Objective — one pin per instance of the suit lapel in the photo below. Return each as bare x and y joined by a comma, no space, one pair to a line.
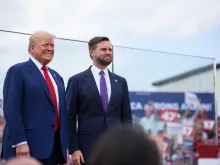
93,87
33,68
113,82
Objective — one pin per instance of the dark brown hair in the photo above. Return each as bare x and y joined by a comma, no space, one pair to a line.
94,41
125,146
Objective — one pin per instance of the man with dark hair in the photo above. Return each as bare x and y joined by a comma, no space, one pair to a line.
92,43
98,98
125,146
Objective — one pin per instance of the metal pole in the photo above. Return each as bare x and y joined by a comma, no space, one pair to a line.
215,103
125,47
66,39
113,59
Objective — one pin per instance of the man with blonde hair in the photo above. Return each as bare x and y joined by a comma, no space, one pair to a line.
35,106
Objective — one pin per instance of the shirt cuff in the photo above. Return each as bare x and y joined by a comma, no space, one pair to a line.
13,146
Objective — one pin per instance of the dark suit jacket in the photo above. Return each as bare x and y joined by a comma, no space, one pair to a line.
84,103
30,113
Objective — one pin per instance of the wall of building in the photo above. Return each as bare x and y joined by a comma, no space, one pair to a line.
203,82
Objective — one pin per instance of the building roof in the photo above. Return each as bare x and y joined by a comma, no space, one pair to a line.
185,75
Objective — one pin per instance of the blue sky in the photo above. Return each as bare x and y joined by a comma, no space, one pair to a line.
178,26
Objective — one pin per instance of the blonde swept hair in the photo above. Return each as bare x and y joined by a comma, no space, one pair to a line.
33,38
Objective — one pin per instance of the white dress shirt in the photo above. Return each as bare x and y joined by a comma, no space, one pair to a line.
39,66
97,77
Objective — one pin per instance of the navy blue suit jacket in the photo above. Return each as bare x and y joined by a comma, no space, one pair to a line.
84,104
30,113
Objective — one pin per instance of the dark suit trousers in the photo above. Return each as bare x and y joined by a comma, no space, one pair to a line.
56,156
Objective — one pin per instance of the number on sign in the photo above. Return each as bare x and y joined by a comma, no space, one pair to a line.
208,124
187,131
169,116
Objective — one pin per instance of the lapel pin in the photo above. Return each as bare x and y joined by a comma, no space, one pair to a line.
116,80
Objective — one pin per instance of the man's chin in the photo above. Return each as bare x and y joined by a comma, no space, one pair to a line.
108,62
47,61
104,63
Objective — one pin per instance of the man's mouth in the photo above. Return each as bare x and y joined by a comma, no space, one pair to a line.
48,53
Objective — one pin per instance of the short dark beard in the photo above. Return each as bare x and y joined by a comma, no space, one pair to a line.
102,62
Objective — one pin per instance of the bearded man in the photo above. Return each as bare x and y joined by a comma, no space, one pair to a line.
97,100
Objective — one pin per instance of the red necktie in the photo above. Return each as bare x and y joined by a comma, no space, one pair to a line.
53,95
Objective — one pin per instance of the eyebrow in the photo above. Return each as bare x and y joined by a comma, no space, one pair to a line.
106,48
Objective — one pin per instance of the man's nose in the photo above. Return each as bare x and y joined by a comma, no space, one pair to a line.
50,47
108,52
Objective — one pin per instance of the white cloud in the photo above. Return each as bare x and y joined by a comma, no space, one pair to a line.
12,13
84,19
178,18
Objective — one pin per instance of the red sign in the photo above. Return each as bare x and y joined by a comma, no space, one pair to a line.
166,146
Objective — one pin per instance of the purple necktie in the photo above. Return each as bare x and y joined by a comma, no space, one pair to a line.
103,90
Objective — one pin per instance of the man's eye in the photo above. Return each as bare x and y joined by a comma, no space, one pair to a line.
45,45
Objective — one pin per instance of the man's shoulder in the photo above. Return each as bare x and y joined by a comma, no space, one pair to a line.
120,78
80,74
18,66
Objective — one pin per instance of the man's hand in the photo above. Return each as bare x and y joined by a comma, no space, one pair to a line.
76,157
22,150
67,155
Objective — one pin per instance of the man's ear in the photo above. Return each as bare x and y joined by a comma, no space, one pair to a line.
91,52
31,48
